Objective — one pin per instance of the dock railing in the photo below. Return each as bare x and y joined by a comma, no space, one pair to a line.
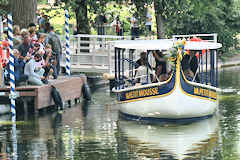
92,53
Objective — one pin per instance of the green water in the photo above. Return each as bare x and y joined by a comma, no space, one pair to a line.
93,131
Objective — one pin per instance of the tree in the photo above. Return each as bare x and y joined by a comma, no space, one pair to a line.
82,8
199,16
23,12
4,7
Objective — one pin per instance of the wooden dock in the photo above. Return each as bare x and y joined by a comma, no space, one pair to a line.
70,88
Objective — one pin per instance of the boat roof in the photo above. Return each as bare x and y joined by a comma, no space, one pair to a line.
164,44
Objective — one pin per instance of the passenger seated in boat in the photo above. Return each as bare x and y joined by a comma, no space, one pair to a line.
189,66
160,68
141,69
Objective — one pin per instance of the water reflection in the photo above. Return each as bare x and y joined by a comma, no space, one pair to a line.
92,130
170,141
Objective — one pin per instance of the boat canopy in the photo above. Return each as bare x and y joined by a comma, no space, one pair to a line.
164,44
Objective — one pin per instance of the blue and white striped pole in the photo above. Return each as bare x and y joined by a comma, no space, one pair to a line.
12,85
11,60
67,42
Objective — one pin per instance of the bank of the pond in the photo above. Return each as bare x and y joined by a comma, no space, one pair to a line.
230,61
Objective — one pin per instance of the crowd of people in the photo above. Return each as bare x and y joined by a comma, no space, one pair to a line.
118,25
37,53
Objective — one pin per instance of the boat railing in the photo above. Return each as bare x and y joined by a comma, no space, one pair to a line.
206,37
207,59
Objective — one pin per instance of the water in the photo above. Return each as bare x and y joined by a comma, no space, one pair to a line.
93,131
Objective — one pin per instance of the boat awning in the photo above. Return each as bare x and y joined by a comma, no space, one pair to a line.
164,44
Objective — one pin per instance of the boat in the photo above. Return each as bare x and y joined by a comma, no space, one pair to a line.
174,141
178,97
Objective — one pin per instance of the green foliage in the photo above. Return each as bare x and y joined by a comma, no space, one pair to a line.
203,16
4,7
181,16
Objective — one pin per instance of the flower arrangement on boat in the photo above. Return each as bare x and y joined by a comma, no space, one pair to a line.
178,50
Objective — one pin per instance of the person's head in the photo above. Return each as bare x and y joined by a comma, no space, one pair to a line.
143,55
16,29
159,70
16,53
36,47
37,57
31,25
117,18
32,31
159,53
48,48
26,39
41,37
51,28
47,27
45,16
24,32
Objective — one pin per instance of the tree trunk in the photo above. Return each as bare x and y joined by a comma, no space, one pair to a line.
83,26
23,12
160,20
160,26
81,12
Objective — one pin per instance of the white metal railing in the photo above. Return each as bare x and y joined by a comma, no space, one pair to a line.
93,51
97,53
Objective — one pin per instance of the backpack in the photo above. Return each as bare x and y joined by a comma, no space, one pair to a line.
55,43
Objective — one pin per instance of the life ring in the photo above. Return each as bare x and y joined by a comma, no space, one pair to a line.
4,52
57,97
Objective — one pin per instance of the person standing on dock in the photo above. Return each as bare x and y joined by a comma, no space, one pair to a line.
54,40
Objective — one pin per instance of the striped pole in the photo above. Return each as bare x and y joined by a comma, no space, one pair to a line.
12,85
11,60
67,42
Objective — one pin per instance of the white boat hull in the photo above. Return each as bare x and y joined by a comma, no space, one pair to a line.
177,98
174,106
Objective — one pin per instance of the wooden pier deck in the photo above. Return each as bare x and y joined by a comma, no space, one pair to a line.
70,88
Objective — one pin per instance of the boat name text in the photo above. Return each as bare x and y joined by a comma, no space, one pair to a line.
141,93
205,92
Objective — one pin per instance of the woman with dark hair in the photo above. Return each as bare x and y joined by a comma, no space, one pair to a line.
161,66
